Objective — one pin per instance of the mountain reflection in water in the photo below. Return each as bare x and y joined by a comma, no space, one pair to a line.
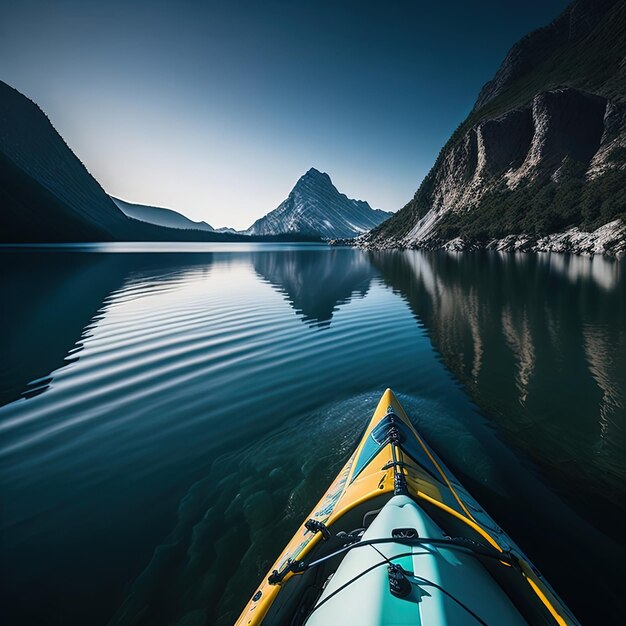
314,284
168,419
539,342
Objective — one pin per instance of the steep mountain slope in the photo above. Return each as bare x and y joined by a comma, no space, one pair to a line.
315,207
540,162
47,195
159,216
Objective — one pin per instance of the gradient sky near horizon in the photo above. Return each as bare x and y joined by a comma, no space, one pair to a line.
216,108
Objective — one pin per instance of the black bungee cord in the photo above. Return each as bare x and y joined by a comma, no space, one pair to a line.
386,561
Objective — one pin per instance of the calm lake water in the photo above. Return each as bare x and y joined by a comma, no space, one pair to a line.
170,414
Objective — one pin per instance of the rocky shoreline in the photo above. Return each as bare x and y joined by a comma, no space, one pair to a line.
608,240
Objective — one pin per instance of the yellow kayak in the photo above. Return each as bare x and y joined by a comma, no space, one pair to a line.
397,540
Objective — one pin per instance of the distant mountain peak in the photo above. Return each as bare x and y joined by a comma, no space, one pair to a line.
314,176
315,206
315,173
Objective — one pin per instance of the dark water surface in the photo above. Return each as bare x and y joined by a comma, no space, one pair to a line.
168,415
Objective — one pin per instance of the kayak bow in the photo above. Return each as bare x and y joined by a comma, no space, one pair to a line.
396,539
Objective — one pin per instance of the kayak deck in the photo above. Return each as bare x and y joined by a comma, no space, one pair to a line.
447,586
393,461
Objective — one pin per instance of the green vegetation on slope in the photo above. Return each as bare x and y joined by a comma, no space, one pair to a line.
540,208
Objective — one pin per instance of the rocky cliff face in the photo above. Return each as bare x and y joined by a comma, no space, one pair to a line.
543,151
315,207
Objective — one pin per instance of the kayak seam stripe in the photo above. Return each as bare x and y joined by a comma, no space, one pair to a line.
454,493
542,596
469,522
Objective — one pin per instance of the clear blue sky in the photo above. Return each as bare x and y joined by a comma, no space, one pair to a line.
216,108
